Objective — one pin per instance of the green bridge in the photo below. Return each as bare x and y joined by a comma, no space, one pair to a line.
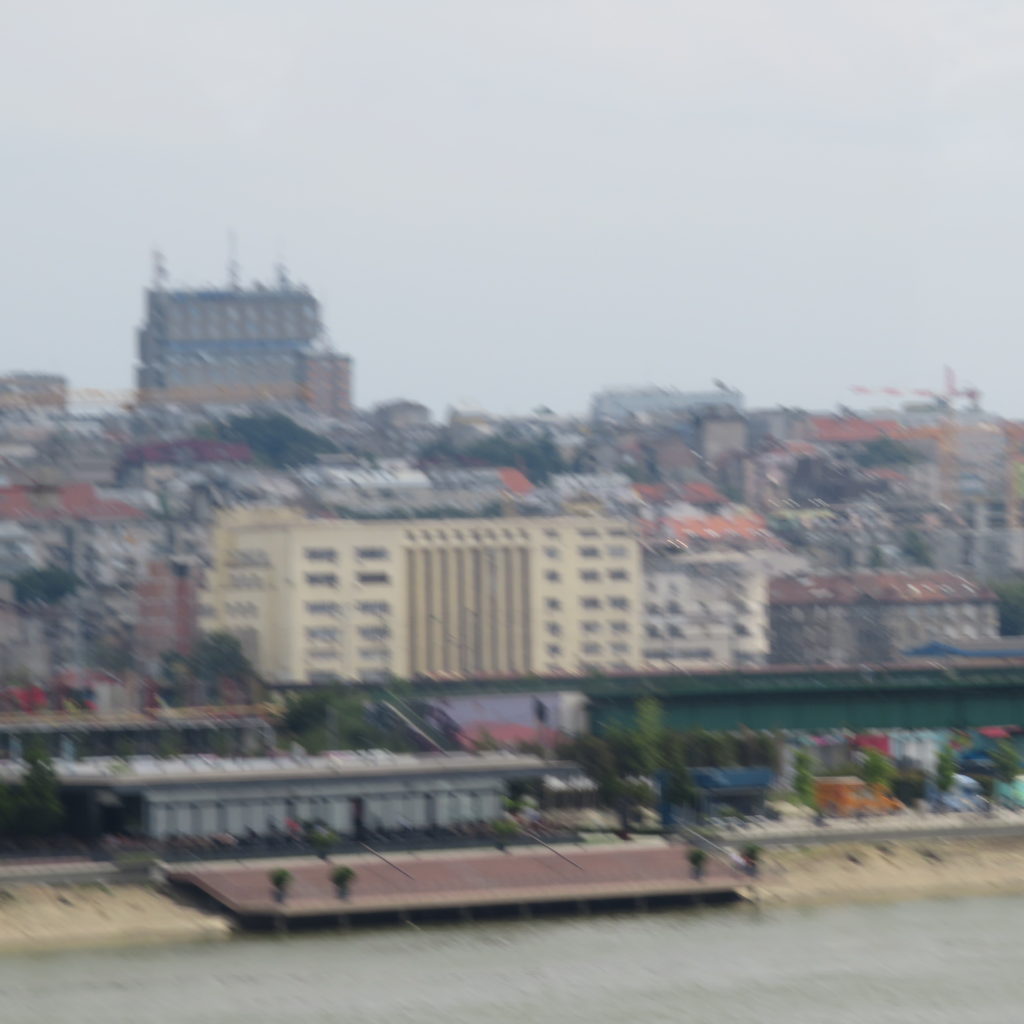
905,697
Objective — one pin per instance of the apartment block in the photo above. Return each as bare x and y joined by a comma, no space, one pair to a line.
314,599
704,609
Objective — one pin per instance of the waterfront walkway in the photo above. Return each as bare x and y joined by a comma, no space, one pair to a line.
467,883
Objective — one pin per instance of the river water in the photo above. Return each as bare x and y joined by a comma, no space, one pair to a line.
937,962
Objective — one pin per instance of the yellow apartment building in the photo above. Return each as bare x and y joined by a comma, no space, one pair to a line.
314,599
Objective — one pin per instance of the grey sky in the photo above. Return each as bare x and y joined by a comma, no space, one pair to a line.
520,202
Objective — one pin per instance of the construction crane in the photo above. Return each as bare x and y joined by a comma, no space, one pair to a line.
950,391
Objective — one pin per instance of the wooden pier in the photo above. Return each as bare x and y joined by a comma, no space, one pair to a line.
462,886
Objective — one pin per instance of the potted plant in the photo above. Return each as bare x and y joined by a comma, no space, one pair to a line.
342,877
322,840
752,856
697,858
280,879
504,829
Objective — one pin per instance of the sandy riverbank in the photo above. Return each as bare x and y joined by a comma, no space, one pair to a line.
44,916
913,869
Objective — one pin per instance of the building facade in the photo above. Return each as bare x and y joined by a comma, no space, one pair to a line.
315,599
239,345
871,617
703,609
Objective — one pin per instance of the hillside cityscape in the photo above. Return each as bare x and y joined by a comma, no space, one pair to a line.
241,492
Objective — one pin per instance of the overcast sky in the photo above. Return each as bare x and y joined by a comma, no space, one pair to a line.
515,202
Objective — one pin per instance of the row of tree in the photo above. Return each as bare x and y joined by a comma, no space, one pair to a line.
32,807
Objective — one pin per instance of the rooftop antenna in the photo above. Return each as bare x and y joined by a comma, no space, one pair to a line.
159,279
233,272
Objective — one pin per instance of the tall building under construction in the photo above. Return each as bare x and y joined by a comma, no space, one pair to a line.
239,345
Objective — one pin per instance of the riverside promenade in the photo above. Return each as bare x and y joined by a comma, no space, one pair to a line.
463,885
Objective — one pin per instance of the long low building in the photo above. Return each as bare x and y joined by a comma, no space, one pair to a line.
352,792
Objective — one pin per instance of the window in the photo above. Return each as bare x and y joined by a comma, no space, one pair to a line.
321,579
618,532
589,576
618,574
322,608
374,632
619,648
554,650
653,631
590,602
589,533
324,633
590,552
619,627
321,554
553,604
673,608
321,655
591,648
618,551
371,554
551,533
374,607
241,609
553,552
553,577
591,627
553,628
373,577
674,631
374,653
621,603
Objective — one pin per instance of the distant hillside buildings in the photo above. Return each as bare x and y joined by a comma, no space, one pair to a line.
240,345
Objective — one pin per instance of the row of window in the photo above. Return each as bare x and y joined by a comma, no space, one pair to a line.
241,609
555,650
588,626
588,575
614,551
334,608
554,604
331,554
330,579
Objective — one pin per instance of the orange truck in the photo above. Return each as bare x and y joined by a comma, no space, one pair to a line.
846,796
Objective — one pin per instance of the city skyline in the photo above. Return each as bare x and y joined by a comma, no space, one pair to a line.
522,207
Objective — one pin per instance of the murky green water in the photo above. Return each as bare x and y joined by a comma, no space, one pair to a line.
937,962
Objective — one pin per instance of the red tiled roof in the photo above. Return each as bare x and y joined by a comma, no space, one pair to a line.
892,587
717,527
851,429
699,492
653,494
513,480
72,501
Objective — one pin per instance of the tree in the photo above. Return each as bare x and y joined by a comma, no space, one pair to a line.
678,783
37,799
877,770
1010,594
43,586
803,778
945,769
917,549
218,658
648,735
1006,761
276,440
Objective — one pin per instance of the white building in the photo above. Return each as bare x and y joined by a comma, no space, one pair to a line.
703,610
